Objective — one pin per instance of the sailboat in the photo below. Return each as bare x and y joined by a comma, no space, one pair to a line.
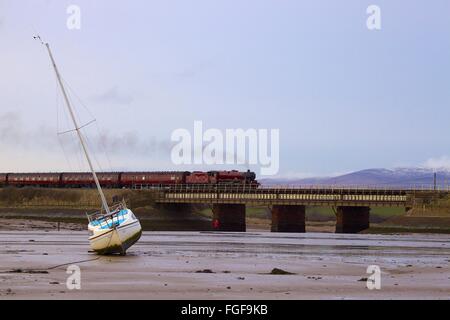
113,229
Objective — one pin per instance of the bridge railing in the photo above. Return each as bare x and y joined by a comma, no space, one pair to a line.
267,196
252,188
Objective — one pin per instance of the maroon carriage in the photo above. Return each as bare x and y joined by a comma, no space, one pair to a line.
130,179
3,179
34,179
85,179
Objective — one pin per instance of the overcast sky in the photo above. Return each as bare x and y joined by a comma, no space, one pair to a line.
343,97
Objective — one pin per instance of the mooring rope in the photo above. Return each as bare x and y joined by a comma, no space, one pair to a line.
49,268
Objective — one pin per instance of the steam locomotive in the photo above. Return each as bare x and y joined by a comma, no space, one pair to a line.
128,179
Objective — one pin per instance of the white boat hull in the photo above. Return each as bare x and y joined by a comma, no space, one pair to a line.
118,239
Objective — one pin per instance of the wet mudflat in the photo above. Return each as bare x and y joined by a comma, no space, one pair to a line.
207,265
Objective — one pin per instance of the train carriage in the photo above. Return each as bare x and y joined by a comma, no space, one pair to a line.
3,179
131,179
85,179
51,180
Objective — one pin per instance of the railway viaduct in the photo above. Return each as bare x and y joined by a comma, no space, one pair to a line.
351,205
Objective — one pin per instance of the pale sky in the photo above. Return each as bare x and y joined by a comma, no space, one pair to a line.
343,97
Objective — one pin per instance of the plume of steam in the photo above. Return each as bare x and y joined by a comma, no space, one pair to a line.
13,132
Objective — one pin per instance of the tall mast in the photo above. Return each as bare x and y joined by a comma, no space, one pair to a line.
80,136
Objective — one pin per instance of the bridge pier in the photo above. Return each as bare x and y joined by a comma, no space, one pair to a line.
174,207
229,217
352,219
288,218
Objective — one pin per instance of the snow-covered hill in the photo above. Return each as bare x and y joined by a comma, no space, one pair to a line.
401,177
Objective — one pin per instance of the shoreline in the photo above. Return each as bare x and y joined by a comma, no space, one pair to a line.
18,222
238,266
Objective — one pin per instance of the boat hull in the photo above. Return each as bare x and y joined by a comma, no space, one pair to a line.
116,240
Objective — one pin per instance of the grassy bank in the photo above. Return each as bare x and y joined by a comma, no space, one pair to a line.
82,199
70,206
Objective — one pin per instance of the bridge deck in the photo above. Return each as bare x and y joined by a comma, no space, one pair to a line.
290,196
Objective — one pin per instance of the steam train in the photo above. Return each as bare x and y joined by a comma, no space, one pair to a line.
128,179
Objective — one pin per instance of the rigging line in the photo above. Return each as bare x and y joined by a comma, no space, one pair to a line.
71,90
70,140
57,104
57,126
65,154
79,149
88,142
64,132
75,110
73,145
91,148
102,145
79,152
93,153
65,117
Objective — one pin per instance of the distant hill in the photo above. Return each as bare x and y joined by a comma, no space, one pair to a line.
400,177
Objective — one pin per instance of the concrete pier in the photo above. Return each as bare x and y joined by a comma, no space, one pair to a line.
174,207
352,219
288,218
229,217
